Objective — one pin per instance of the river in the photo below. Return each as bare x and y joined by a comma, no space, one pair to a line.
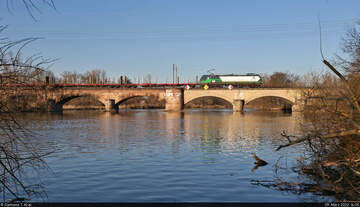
157,156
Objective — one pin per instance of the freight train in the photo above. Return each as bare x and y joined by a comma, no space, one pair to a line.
211,81
248,80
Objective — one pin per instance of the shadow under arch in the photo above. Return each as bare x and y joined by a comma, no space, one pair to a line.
67,99
150,101
271,102
208,102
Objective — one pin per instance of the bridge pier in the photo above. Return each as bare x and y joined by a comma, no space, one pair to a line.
297,107
299,104
110,105
174,99
238,105
54,107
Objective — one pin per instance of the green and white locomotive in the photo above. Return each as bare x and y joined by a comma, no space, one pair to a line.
248,80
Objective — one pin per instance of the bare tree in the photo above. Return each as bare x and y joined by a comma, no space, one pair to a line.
16,151
331,133
282,80
31,6
351,46
17,155
147,78
95,76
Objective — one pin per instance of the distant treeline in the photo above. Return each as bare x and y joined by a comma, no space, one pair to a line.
274,80
95,76
99,76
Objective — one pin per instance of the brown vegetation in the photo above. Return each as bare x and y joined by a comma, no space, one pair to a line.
331,133
95,76
282,80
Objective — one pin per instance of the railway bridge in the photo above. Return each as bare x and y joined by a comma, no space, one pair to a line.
175,98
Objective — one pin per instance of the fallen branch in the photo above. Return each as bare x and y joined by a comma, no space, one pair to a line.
309,137
342,134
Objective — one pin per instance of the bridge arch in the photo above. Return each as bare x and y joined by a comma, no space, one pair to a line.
123,100
287,105
228,99
208,96
154,99
288,99
64,99
56,103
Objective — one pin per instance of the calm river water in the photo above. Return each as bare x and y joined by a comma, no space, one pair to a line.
156,156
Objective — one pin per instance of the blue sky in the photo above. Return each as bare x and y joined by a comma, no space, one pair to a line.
138,37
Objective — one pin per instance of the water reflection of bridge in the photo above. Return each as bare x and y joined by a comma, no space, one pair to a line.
233,131
216,131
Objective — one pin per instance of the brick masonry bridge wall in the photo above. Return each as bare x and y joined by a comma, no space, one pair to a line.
113,97
240,97
175,98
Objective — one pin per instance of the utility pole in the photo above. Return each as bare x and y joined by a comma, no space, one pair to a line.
173,73
121,80
177,77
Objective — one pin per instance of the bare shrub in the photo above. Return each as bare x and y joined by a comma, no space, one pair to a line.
17,155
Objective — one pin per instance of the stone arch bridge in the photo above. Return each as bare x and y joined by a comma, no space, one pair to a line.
175,98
